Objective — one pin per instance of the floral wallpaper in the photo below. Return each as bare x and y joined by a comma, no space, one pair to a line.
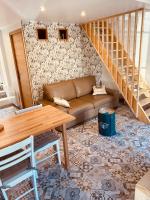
54,60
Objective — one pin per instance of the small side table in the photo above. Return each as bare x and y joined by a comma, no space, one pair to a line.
107,123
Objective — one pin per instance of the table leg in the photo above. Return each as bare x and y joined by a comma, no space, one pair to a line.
65,145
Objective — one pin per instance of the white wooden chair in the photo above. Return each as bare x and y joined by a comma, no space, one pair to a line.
44,141
17,164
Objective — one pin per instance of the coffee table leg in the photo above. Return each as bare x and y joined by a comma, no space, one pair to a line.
65,144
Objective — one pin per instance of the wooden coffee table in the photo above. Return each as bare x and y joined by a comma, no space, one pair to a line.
34,123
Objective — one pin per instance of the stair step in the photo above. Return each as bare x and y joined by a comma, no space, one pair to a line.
124,73
128,66
1,87
2,94
148,112
145,101
119,58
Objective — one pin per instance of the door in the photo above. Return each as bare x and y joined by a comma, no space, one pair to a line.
21,67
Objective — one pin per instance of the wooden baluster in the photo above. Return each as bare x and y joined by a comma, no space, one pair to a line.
112,41
90,31
123,22
140,55
98,37
117,46
128,47
134,49
94,32
103,39
86,28
117,41
107,36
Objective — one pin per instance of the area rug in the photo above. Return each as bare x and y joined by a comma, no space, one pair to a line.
101,168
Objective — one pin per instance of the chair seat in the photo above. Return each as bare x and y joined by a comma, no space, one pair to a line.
44,139
15,170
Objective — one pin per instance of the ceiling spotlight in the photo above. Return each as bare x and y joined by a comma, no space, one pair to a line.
83,13
42,8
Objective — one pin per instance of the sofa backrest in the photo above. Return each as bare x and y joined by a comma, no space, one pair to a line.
69,89
63,89
84,85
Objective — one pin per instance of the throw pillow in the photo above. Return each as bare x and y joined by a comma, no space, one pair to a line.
61,102
99,90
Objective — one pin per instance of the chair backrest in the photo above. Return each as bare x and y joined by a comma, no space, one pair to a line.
17,153
28,109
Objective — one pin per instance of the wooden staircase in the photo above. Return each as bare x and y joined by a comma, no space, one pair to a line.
118,42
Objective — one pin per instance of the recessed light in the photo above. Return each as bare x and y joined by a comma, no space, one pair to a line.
83,13
42,8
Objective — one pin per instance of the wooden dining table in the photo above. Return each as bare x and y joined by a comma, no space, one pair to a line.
35,122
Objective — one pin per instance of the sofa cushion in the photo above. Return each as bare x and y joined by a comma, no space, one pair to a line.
84,85
46,102
79,106
97,100
61,102
63,89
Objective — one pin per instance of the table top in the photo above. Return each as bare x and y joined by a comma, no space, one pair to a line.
34,122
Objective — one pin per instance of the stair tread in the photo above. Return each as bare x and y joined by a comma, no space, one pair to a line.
145,101
148,111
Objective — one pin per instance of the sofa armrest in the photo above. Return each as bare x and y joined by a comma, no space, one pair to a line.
112,92
115,94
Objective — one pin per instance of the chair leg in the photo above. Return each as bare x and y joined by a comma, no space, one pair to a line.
4,194
58,152
35,186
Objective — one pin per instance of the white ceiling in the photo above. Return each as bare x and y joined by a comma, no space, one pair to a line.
12,11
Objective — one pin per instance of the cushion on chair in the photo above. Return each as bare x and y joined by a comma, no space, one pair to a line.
84,85
43,139
63,89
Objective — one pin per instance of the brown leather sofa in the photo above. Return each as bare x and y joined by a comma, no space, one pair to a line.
83,105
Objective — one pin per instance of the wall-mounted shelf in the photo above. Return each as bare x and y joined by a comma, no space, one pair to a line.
42,34
63,34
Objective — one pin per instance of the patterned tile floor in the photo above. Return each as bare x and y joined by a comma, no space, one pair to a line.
101,168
